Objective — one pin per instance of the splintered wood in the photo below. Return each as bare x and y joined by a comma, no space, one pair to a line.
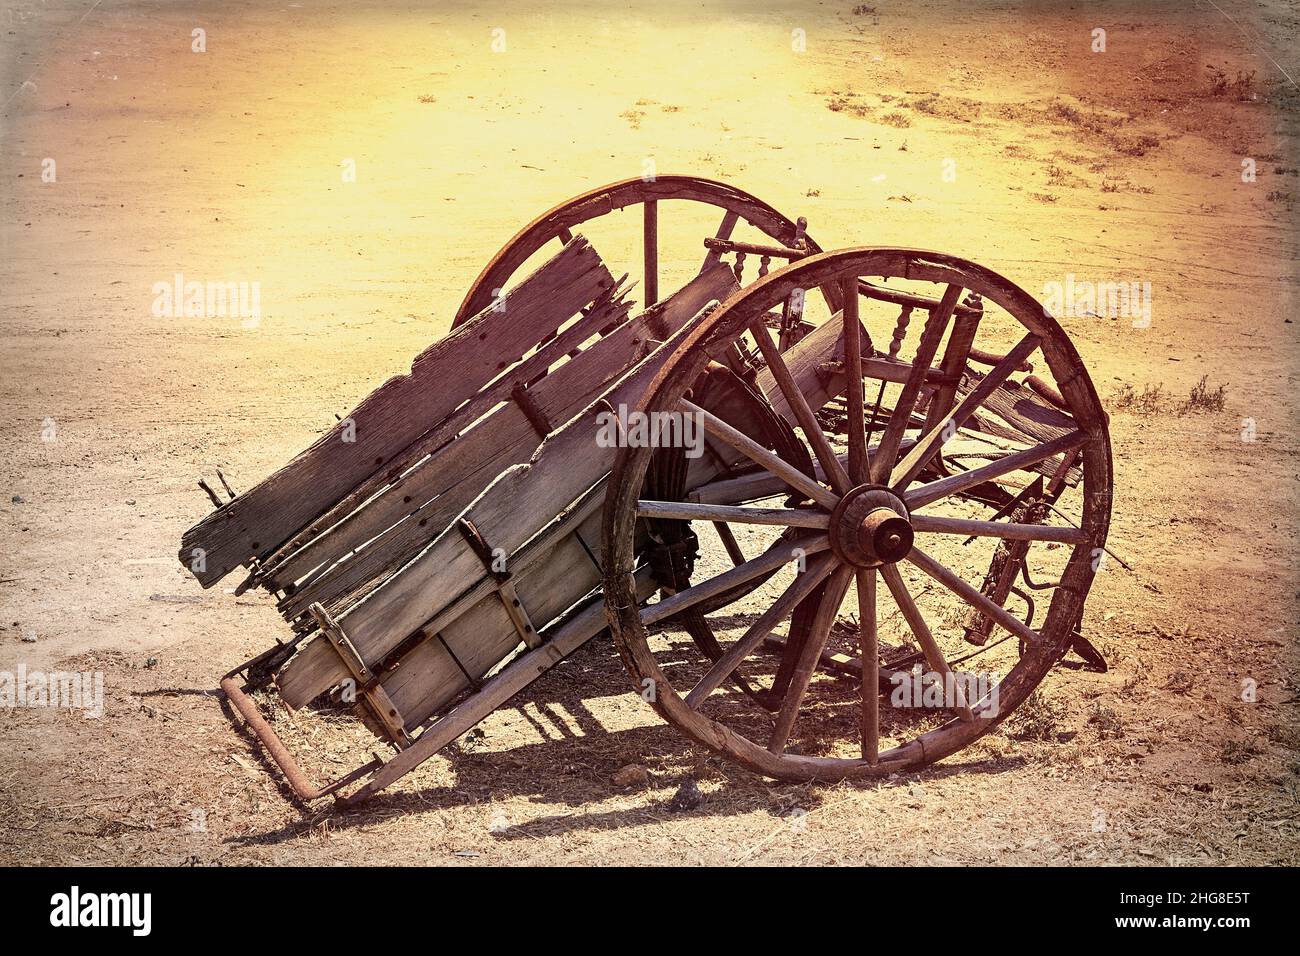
521,501
398,413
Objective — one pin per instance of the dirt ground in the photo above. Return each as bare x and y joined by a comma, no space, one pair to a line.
1122,164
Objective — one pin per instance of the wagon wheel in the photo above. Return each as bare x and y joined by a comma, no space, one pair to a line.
559,224
885,513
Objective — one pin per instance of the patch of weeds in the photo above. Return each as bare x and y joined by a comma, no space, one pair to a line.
1203,398
1134,145
428,98
1045,197
1150,401
1059,176
847,104
1038,718
473,740
952,107
1285,198
896,119
812,193
1180,682
1109,725
862,10
1237,752
1240,87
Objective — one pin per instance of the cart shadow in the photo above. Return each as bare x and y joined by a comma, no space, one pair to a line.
573,764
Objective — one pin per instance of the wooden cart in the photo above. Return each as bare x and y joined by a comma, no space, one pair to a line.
541,474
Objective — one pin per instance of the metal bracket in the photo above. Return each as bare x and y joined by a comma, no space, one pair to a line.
532,411
505,587
369,690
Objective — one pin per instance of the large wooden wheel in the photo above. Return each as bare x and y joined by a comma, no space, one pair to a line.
925,476
738,210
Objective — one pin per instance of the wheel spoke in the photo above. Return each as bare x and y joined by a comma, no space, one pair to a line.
729,542
809,657
883,462
933,441
998,529
799,405
973,597
650,248
804,584
782,552
932,492
859,467
686,511
870,658
929,646
770,460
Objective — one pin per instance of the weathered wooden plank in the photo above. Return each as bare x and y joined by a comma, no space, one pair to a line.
521,500
390,418
311,546
481,639
460,470
420,505
514,678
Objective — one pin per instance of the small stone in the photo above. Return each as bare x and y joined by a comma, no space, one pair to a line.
130,501
687,797
29,637
633,775
17,499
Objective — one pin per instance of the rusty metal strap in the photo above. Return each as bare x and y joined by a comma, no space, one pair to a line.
532,411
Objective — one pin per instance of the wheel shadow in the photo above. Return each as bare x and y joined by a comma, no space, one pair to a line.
573,765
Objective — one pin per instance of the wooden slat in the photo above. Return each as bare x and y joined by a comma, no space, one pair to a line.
457,472
687,511
934,436
650,249
390,418
309,548
428,679
497,691
853,398
1008,531
511,510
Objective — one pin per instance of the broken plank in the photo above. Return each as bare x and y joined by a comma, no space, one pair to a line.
303,552
257,522
518,503
464,467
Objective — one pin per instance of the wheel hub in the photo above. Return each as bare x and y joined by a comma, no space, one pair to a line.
870,527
